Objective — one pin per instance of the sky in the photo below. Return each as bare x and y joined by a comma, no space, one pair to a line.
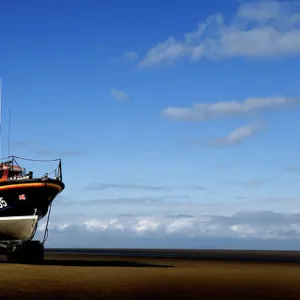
177,122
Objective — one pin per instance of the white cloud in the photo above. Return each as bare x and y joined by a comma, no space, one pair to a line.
238,135
131,55
119,95
283,14
259,29
104,186
205,111
259,11
145,225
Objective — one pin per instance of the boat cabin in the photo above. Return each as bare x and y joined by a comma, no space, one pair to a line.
8,171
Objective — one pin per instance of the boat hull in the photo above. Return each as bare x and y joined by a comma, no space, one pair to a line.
28,197
18,228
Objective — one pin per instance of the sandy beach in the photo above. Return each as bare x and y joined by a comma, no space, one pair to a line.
80,276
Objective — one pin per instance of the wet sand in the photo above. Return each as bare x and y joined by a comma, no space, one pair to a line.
83,276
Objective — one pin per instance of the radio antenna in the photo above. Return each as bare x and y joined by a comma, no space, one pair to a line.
9,122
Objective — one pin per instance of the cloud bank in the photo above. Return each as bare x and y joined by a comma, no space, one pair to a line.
259,29
182,230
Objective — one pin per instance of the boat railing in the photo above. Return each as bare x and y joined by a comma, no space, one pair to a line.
10,164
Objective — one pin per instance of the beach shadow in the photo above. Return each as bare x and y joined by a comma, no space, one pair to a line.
99,263
94,263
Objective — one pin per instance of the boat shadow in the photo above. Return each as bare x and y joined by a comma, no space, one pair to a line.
101,263
77,262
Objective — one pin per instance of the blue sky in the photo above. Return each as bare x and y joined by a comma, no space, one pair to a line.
168,117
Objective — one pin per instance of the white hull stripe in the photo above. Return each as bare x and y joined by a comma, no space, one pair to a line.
18,218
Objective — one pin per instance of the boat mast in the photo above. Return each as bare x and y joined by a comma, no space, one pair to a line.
9,124
0,117
8,144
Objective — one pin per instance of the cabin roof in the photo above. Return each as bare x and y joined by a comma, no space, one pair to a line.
4,166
